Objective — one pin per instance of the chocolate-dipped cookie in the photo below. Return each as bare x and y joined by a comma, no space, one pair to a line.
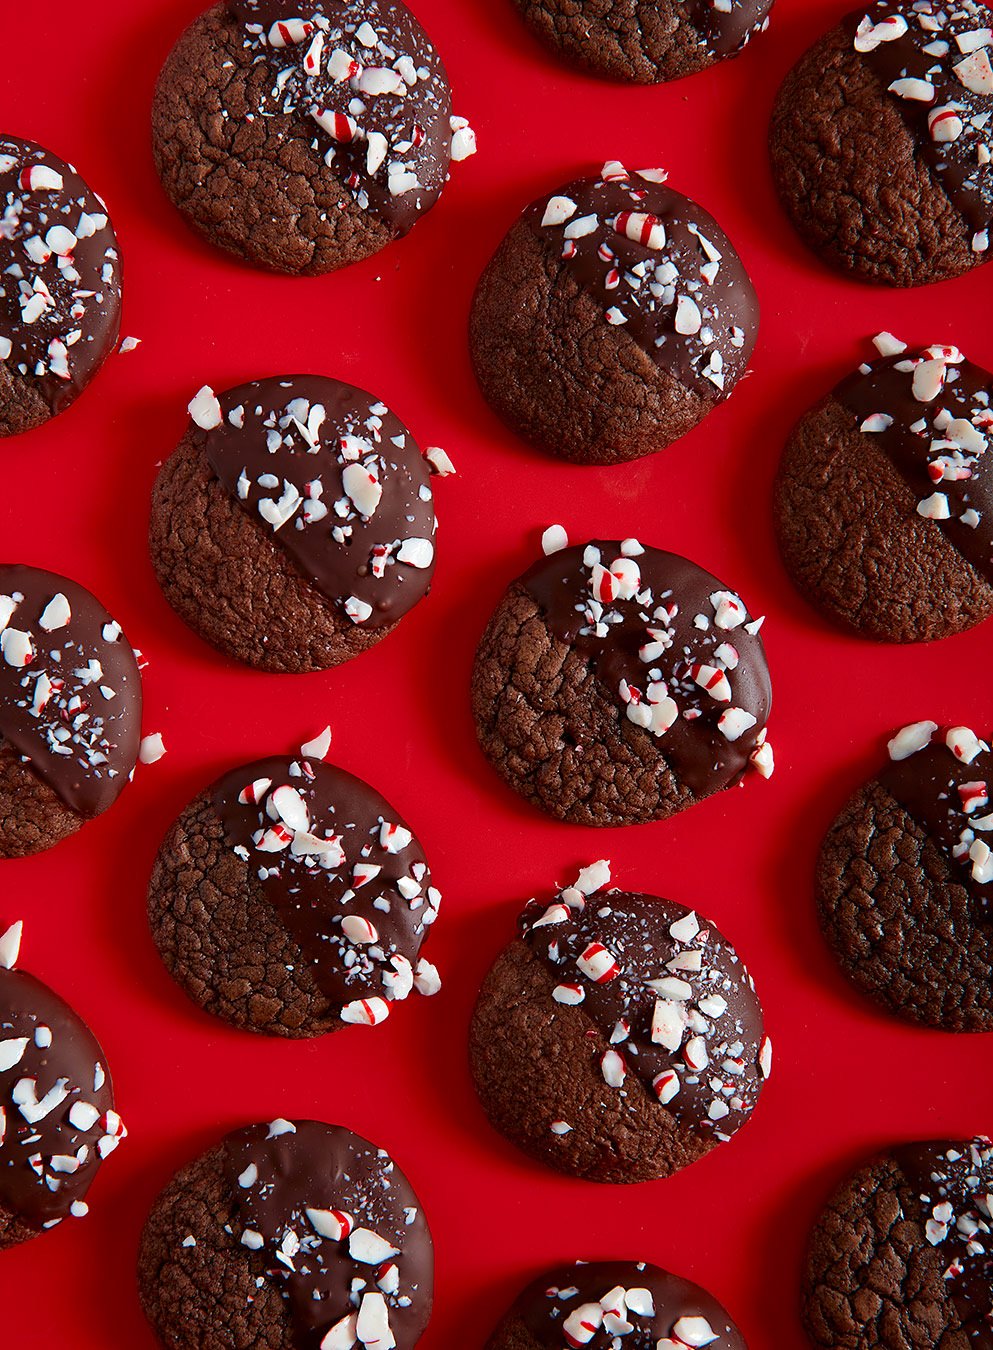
288,1235
617,684
882,140
619,1038
57,1117
645,41
597,1304
304,139
899,1258
60,285
70,709
290,898
613,317
293,526
884,502
904,880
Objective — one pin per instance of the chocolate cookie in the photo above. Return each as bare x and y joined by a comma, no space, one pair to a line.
288,1235
60,285
290,898
899,1258
904,881
57,1117
645,41
70,709
619,1038
617,684
305,144
595,1305
293,526
613,317
882,140
884,505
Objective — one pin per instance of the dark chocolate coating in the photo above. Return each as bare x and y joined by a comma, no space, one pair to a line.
599,711
655,268
888,1268
60,296
72,710
242,154
864,482
222,908
202,1283
537,1317
52,1070
854,174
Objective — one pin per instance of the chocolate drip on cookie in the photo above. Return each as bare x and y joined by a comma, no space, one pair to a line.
934,59
672,646
334,478
952,1181
57,1121
661,267
595,1305
932,415
941,778
341,1232
343,872
374,91
70,692
668,992
60,291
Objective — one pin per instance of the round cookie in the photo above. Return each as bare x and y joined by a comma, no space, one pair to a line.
617,684
305,144
290,898
294,524
595,1304
903,881
619,1038
645,41
57,1117
882,141
613,317
898,1259
285,1235
884,506
60,285
70,709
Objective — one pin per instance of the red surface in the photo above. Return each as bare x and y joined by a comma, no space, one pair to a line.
75,498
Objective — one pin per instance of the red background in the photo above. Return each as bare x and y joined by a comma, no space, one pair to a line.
75,498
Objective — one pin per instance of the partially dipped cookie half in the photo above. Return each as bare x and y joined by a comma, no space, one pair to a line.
291,899
57,1109
294,525
619,1038
304,138
70,709
603,1304
884,499
899,1256
882,142
288,1234
905,880
60,285
617,684
612,319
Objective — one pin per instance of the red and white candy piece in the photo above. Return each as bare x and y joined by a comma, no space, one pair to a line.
364,872
463,139
553,914
964,744
439,461
286,804
372,1326
318,746
342,1335
427,981
416,553
252,794
368,1247
734,722
929,379
594,877
945,124
695,1053
666,1085
569,994
204,408
558,211
339,126
366,1012
359,930
582,1324
694,1332
152,748
334,1224
642,228
40,178
598,964
976,73
613,1068
289,32
869,35
973,796
916,91
688,320
554,539
668,1024
910,739
357,610
394,838
16,648
714,681
10,945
